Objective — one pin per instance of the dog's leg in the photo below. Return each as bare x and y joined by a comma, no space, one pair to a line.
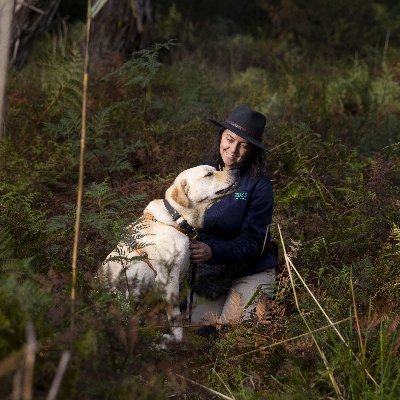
173,312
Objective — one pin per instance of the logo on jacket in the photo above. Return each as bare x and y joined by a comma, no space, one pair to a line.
240,195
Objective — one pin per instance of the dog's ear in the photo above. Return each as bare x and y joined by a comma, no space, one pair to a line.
179,193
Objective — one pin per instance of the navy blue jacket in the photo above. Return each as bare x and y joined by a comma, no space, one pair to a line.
235,227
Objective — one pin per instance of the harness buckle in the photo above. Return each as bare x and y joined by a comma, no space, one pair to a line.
193,235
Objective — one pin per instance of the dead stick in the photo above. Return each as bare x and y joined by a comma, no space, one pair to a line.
31,348
81,167
62,366
223,396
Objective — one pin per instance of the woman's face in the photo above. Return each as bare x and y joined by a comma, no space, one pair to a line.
233,149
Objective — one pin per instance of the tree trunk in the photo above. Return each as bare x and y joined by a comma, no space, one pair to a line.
6,15
31,17
122,26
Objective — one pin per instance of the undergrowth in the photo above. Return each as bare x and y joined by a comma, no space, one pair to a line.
335,166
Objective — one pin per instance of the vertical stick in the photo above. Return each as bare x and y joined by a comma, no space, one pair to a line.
6,14
31,347
17,385
81,166
353,296
62,366
385,47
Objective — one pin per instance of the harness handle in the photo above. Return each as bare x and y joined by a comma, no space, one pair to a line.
266,237
191,294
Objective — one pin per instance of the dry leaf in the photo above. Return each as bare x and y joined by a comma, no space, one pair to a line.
261,307
234,309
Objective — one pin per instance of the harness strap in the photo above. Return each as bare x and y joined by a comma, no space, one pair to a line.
267,241
150,217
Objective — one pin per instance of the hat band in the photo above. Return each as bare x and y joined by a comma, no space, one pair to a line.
240,128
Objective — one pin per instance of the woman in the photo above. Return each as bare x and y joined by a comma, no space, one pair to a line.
233,256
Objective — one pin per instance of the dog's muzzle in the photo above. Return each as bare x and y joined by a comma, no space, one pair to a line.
227,189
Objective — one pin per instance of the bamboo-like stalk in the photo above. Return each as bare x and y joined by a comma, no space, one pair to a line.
321,353
6,15
81,166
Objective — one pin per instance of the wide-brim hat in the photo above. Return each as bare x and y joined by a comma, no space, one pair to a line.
246,123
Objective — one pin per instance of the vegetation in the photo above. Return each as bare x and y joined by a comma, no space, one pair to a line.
333,131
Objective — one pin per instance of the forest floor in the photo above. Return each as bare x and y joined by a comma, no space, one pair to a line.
333,132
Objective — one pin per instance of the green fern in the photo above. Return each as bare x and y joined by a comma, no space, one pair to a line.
62,82
103,211
68,128
143,67
385,91
350,88
21,297
19,215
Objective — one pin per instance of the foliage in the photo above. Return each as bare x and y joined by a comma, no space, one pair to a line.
334,163
21,296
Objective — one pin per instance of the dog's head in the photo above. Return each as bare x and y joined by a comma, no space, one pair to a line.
201,186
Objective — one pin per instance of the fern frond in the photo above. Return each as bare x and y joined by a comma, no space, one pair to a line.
67,127
56,223
143,67
62,80
7,244
395,234
234,309
100,123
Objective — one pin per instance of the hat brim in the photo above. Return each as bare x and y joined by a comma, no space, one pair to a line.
238,132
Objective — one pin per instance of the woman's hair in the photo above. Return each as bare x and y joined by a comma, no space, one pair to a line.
256,161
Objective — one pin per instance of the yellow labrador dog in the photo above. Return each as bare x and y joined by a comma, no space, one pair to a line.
156,248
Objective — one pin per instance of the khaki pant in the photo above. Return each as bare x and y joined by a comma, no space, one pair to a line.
237,303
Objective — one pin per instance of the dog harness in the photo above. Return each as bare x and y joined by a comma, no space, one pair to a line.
183,227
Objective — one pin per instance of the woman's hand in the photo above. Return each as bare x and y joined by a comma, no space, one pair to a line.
200,252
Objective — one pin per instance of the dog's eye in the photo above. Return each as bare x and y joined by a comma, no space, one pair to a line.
208,174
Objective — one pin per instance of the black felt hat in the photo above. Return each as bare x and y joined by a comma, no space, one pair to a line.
246,123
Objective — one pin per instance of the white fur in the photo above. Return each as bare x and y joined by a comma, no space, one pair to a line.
192,192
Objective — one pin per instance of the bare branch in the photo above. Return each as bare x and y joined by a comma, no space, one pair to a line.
62,366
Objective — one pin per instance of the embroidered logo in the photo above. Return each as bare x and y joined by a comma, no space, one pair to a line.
240,195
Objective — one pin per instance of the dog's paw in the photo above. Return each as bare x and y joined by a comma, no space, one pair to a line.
166,342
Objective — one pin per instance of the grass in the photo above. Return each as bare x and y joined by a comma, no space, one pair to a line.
335,167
